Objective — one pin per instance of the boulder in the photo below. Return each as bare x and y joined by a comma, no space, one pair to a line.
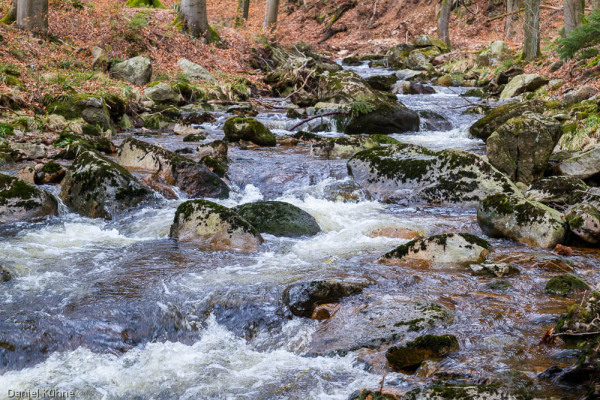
211,225
583,165
514,217
194,71
410,174
418,61
397,55
410,356
407,87
409,74
89,140
487,125
29,151
579,95
558,190
279,218
522,146
382,82
192,177
565,284
584,221
21,201
428,41
449,248
163,93
93,109
495,53
301,298
495,269
136,70
97,187
521,84
347,146
248,129
433,121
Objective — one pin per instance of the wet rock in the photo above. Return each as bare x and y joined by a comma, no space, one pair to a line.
92,108
522,146
397,55
449,248
564,284
410,356
279,218
498,284
345,191
347,146
584,221
464,392
49,172
495,269
419,61
194,71
21,201
194,138
382,82
521,84
301,298
407,87
514,217
352,61
434,121
484,127
408,74
211,225
560,190
216,148
5,274
30,151
90,140
248,129
376,323
136,70
450,80
579,95
163,93
411,174
96,187
192,177
495,53
584,165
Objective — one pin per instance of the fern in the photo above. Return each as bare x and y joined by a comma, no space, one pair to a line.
584,36
360,107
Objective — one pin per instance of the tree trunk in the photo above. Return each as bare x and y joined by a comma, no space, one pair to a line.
595,5
573,14
444,20
32,15
531,47
194,17
12,14
242,13
511,20
247,8
271,10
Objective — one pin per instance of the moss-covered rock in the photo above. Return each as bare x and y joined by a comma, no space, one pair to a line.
248,129
136,70
163,93
412,354
196,179
521,84
21,201
484,127
495,269
410,174
583,165
521,147
192,137
514,217
397,55
382,82
584,221
559,190
88,141
434,121
347,146
213,226
279,218
495,53
424,41
449,248
564,284
301,298
97,187
93,109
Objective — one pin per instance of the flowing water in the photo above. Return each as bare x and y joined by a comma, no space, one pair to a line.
117,310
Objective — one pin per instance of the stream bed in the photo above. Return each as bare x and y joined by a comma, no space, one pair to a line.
117,310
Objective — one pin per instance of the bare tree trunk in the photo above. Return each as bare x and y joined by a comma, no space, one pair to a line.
247,8
531,47
271,10
242,13
194,16
12,14
595,5
573,14
444,20
32,15
511,20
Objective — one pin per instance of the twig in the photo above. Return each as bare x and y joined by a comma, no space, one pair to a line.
303,85
576,334
315,117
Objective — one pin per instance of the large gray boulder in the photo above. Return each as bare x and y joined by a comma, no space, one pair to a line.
496,52
584,221
301,298
163,93
557,190
250,130
194,71
279,218
96,187
521,84
93,109
136,70
449,248
213,226
583,165
409,174
487,125
21,201
195,179
522,146
514,217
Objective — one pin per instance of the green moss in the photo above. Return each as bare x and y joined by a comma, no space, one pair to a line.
246,128
21,193
499,284
6,130
51,167
193,138
307,136
564,284
186,210
144,3
410,356
91,130
217,166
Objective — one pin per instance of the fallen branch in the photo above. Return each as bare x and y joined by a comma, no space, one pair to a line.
576,334
317,116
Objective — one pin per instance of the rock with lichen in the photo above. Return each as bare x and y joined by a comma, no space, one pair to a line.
410,356
248,129
21,201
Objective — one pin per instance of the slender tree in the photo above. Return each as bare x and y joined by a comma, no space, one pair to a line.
242,13
32,15
444,20
271,10
511,19
531,47
193,13
573,14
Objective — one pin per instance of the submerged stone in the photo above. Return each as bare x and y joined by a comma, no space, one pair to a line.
248,129
564,284
301,298
412,354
